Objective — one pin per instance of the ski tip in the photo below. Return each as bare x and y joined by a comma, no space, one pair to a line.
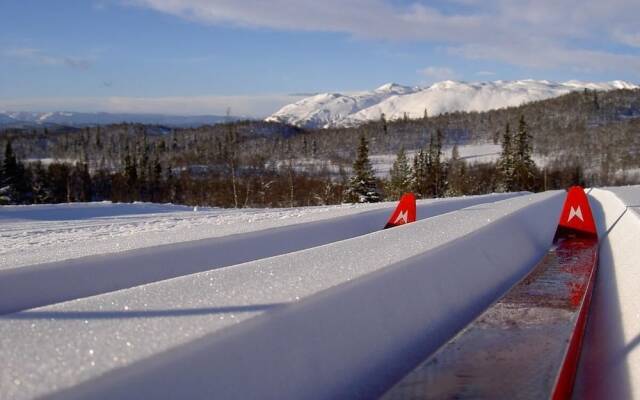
404,213
576,218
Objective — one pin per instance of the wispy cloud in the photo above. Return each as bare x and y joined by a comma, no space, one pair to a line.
303,94
438,73
628,38
529,33
41,57
549,55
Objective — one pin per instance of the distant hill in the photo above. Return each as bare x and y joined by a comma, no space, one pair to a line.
23,119
331,110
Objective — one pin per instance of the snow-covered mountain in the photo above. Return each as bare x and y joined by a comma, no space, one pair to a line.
396,101
331,109
8,118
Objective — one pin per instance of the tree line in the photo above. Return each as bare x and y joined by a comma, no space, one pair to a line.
231,180
589,138
429,176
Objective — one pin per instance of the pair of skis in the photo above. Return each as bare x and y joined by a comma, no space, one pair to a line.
527,345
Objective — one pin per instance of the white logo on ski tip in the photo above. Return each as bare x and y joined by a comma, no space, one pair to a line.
575,212
402,216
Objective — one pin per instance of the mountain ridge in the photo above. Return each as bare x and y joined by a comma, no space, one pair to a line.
395,101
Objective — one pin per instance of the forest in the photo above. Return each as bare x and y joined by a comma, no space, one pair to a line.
589,138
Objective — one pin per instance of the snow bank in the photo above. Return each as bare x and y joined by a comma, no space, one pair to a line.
183,337
48,283
54,232
610,362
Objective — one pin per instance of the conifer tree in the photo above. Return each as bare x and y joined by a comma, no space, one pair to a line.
362,185
13,182
87,184
383,121
231,157
456,171
131,175
156,180
435,167
506,161
419,177
399,176
524,167
41,191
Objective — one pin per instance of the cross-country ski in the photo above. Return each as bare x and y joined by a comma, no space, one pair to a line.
528,344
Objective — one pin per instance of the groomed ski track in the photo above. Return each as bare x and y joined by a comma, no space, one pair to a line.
343,320
128,332
48,283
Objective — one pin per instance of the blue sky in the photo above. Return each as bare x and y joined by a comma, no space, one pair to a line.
204,56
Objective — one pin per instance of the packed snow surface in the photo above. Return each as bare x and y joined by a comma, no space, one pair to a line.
59,346
108,267
396,101
329,321
45,233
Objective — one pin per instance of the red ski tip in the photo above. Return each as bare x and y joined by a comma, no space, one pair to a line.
404,213
576,218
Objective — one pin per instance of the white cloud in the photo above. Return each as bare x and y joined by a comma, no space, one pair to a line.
438,73
38,56
552,56
252,106
510,30
628,38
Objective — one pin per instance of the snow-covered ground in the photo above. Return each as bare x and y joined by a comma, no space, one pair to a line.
471,153
44,233
117,329
85,266
345,318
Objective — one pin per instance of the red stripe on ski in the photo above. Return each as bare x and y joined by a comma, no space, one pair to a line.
566,378
576,219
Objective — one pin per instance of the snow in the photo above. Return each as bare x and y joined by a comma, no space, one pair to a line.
343,318
610,363
471,153
382,163
49,160
61,346
106,257
329,109
85,229
395,101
